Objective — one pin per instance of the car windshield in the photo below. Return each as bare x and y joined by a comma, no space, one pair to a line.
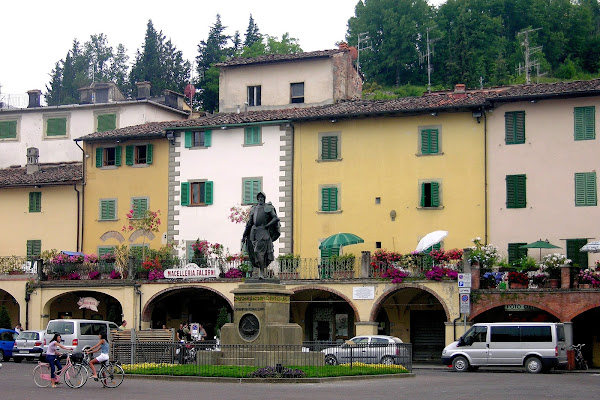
60,327
27,336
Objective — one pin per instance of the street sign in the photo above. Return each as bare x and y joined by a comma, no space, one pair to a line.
466,290
464,280
465,303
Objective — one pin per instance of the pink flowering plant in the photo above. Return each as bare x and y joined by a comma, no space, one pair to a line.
396,275
239,214
437,273
233,273
74,276
156,274
115,274
590,276
93,275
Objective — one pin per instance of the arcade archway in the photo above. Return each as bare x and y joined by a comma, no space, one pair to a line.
68,305
12,308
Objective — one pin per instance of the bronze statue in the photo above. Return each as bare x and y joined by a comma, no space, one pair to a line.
262,229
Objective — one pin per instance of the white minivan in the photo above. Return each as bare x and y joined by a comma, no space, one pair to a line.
537,346
78,334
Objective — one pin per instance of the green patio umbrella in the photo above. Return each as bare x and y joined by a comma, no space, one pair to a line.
340,240
540,244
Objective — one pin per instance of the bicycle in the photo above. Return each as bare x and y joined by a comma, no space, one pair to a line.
74,376
580,362
110,373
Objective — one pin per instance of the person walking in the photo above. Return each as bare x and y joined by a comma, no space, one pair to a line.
18,328
102,345
52,357
123,325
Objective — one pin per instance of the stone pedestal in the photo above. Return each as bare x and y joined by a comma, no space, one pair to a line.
261,313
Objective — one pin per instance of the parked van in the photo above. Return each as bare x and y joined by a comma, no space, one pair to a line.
537,346
78,334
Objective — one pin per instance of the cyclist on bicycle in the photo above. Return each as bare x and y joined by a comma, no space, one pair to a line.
52,357
102,345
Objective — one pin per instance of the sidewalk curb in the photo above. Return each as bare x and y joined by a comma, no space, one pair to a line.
266,380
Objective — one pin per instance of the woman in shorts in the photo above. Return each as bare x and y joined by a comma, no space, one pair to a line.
102,345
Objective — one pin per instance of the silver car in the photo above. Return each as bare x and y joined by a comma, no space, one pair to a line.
375,349
28,345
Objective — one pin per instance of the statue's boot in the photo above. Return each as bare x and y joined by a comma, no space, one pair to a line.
260,274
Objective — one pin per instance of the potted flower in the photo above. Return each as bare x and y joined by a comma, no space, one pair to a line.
491,280
518,280
155,274
589,277
233,273
94,275
539,278
115,274
551,264
396,275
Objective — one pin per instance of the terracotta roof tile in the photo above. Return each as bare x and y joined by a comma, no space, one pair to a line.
148,130
574,88
49,174
271,58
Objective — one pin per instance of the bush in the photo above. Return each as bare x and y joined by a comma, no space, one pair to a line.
271,372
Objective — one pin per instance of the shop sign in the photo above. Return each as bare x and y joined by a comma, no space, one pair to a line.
191,271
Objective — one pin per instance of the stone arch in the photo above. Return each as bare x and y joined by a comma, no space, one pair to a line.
112,235
569,317
538,305
385,295
139,233
147,309
326,289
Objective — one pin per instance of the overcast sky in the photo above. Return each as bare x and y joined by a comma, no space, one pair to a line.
37,33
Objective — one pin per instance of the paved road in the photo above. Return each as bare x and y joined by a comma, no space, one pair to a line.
16,383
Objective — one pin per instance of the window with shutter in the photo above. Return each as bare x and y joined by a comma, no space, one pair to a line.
34,249
250,188
326,253
8,129
578,258
516,194
106,122
429,141
56,126
329,147
201,193
185,193
514,127
515,252
430,194
35,202
103,250
585,123
329,199
198,138
108,210
585,189
139,206
252,135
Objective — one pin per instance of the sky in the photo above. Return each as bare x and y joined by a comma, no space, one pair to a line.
36,34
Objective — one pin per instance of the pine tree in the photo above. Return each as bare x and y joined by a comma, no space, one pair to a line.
5,318
54,91
252,33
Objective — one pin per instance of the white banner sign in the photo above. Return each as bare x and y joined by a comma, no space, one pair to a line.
363,292
89,303
191,271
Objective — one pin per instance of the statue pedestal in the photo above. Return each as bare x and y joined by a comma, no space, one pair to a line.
261,314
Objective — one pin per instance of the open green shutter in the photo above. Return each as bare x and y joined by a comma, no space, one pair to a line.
128,155
423,190
207,138
185,193
435,194
149,149
188,139
118,156
99,154
208,192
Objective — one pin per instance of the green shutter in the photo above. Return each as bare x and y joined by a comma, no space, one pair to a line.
429,141
585,189
149,149
329,147
329,201
516,191
188,139
520,127
105,250
515,252
247,191
128,155
579,258
8,129
107,209
424,142
585,123
35,201
252,135
208,192
514,127
107,122
34,249
118,156
423,194
56,127
140,206
435,194
207,138
99,155
185,193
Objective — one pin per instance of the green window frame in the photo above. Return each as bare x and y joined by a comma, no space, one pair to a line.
515,252
34,249
516,191
430,194
108,210
56,126
252,135
139,205
106,122
578,258
514,122
35,202
197,193
329,147
8,129
585,189
139,154
329,199
585,123
430,141
198,139
250,188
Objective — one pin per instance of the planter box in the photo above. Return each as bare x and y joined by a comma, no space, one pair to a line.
514,285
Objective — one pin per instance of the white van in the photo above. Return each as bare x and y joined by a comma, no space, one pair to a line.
537,346
78,334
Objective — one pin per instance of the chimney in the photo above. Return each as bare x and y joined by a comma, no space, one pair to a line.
143,89
86,95
34,98
460,90
33,155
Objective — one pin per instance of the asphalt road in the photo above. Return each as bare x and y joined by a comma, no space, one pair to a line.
16,383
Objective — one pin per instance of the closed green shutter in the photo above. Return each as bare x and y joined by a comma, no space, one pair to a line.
515,252
207,138
140,206
34,249
107,122
514,127
188,139
248,192
35,201
56,127
128,155
8,129
516,191
118,156
329,145
329,199
585,123
585,189
185,193
333,251
429,141
149,149
99,155
251,188
105,250
108,209
579,258
208,192
252,135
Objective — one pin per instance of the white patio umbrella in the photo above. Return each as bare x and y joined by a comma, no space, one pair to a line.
431,239
591,247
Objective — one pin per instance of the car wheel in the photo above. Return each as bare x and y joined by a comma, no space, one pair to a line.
17,359
534,365
460,364
331,360
387,360
1,356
